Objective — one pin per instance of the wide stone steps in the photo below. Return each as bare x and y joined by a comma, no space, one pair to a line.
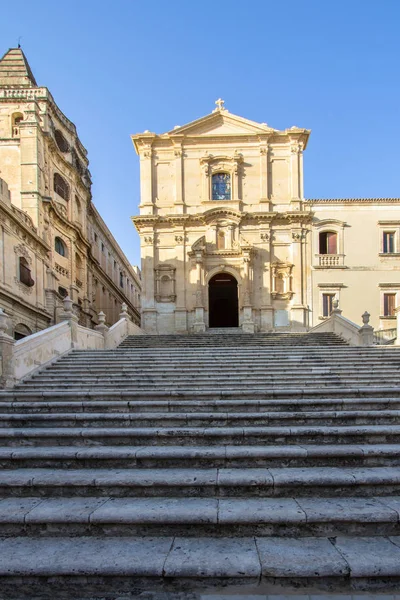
285,517
202,419
241,456
204,482
114,405
171,466
238,340
196,436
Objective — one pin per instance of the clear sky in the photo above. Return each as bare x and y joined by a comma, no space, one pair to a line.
121,67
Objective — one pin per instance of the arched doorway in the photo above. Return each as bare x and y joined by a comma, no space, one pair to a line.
21,331
223,301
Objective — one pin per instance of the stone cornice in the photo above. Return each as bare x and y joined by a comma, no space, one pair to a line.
14,214
141,222
353,201
65,221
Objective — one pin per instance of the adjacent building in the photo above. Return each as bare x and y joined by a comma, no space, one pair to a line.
53,241
228,238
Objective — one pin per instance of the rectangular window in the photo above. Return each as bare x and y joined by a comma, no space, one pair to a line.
121,279
327,306
389,305
388,242
102,247
95,237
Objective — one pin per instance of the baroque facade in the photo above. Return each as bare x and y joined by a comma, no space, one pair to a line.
53,241
228,238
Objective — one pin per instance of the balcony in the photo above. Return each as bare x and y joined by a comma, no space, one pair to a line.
329,261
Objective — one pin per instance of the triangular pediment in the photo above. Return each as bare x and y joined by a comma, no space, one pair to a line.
221,122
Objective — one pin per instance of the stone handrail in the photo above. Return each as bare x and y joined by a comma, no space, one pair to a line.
40,349
353,334
22,358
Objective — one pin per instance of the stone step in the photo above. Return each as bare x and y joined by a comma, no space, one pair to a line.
21,393
306,455
285,517
112,405
207,482
72,566
194,436
202,419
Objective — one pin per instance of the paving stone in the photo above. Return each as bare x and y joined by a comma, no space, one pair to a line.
245,477
83,556
204,557
325,510
157,510
263,510
303,557
64,510
370,556
15,510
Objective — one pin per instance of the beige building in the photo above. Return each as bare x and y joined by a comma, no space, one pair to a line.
228,239
53,241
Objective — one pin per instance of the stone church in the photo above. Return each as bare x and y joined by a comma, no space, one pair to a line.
229,240
53,241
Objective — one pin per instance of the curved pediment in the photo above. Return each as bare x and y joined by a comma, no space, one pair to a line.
216,214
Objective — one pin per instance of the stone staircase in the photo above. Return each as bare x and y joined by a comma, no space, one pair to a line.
203,466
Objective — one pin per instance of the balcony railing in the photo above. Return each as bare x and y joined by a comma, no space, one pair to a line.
330,260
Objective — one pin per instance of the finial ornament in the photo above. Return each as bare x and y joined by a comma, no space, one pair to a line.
220,104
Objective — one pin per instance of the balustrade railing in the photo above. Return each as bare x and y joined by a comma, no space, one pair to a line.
330,260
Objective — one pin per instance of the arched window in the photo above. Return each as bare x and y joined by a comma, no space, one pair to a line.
60,247
63,292
221,186
25,272
16,119
328,242
61,187
21,331
61,142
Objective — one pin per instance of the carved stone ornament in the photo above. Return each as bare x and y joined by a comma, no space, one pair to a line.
22,287
265,237
282,280
164,279
21,250
148,239
179,239
297,236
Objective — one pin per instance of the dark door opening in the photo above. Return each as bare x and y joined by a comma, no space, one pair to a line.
223,301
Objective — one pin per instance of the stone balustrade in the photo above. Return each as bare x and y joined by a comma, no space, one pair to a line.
21,358
353,334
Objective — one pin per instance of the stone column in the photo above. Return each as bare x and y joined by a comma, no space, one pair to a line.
180,285
146,181
179,202
199,325
264,179
295,176
247,323
7,373
298,310
267,312
30,157
149,311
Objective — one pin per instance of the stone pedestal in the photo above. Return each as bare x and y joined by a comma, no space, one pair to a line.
149,317
199,325
267,318
181,320
248,323
7,375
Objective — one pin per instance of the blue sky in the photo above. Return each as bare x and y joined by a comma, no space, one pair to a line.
126,66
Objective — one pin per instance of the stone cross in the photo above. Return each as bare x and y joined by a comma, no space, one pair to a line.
220,104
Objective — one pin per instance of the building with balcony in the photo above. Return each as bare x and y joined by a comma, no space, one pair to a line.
228,238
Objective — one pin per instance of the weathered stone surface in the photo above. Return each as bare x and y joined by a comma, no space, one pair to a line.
157,510
203,557
61,556
303,557
323,510
64,510
370,556
263,510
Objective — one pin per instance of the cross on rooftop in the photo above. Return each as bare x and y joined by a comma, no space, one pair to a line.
220,104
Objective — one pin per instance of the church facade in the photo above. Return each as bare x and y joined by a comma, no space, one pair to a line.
229,240
53,242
